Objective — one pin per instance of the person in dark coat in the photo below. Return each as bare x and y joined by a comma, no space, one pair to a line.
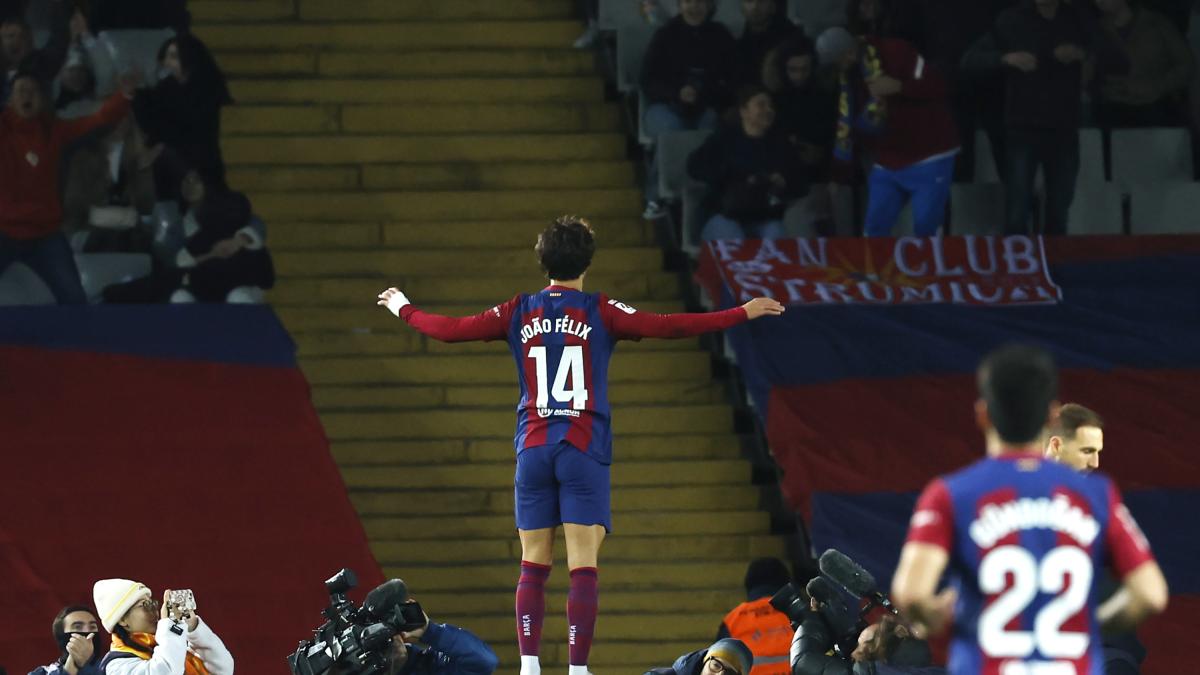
687,77
805,103
751,171
767,25
183,114
76,630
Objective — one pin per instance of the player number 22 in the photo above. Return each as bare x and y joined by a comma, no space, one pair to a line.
1050,576
570,366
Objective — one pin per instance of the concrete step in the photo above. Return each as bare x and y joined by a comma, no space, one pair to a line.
458,90
390,10
420,149
205,11
417,118
463,175
632,288
454,206
626,474
618,575
402,501
387,35
731,547
498,423
447,263
475,370
611,626
631,447
423,64
365,315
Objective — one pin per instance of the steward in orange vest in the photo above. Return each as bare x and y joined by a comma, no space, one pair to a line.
764,629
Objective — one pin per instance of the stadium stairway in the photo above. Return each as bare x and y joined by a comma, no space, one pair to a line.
422,144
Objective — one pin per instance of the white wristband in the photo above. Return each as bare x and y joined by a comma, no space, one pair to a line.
397,302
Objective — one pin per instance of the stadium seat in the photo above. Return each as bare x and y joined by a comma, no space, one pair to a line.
817,15
643,138
632,41
694,216
843,210
1091,157
674,148
1145,156
617,14
101,270
130,49
20,286
976,208
1165,209
1096,209
985,164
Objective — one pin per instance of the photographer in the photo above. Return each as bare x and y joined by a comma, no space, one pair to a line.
448,650
146,641
884,648
727,656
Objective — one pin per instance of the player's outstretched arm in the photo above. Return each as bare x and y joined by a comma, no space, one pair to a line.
627,322
488,325
1143,593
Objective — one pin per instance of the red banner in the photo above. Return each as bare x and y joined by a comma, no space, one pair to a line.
967,270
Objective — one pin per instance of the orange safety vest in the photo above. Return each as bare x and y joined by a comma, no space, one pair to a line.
766,631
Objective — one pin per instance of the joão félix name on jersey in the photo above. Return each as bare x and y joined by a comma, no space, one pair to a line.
562,324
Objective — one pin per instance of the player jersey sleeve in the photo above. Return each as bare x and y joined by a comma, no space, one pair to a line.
626,323
488,325
933,517
1127,546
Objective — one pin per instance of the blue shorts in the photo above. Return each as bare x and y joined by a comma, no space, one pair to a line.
558,484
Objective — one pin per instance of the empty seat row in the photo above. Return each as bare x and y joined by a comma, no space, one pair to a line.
814,15
1138,156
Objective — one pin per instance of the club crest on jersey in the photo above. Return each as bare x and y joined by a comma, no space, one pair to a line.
997,521
562,324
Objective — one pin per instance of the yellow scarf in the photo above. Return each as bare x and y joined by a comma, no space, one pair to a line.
192,666
874,113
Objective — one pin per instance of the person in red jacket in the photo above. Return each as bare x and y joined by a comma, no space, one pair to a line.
31,145
893,105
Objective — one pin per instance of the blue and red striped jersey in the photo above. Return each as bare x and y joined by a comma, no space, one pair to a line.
562,340
1028,540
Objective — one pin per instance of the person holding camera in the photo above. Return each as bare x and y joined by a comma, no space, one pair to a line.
882,648
74,630
727,656
149,639
448,650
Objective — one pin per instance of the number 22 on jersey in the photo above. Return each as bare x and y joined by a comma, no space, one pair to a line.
570,367
1064,572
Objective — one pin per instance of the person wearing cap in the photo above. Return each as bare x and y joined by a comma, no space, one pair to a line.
764,629
74,628
146,642
893,112
727,656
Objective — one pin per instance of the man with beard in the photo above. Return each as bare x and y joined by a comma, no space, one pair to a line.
75,629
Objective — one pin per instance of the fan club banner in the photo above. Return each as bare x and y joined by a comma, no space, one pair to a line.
968,270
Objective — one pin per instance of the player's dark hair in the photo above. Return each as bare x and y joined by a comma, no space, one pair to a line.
1018,383
565,249
1072,416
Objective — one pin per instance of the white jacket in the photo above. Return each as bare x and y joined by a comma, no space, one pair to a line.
171,652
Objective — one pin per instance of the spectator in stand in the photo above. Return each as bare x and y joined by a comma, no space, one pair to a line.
942,30
16,43
767,25
764,629
223,258
145,641
109,184
805,105
869,18
725,657
893,114
75,630
1153,92
31,146
1042,46
77,94
751,172
183,113
687,77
